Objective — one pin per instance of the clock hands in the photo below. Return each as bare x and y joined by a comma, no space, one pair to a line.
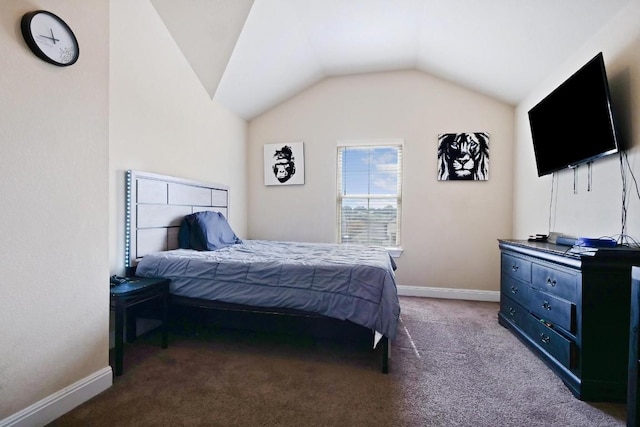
52,38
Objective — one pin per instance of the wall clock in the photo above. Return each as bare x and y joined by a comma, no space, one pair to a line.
50,38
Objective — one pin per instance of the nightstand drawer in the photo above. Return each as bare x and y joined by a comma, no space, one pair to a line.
554,281
513,311
515,289
517,268
554,310
552,342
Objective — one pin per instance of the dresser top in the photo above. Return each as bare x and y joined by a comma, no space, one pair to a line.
575,252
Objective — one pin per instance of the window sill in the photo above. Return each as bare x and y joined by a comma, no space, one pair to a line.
395,252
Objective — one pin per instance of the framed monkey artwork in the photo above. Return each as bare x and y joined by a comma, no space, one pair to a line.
284,163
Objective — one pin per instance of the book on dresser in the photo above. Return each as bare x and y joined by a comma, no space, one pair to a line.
571,307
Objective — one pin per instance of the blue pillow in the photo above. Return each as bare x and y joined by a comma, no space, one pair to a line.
206,231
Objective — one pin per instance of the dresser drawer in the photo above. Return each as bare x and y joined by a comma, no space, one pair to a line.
552,342
555,281
554,310
513,311
517,268
515,289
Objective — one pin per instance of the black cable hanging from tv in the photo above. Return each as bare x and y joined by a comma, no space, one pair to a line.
553,179
625,239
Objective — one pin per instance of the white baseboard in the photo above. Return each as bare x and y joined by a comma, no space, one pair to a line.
61,402
448,293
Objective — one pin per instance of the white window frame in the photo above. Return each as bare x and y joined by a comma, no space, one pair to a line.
396,250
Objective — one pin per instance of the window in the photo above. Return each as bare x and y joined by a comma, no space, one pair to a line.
369,193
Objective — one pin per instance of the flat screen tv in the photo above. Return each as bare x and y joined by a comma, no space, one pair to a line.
574,123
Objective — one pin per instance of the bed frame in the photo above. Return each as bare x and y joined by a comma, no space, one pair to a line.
154,207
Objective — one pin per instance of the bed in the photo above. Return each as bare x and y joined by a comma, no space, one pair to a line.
350,283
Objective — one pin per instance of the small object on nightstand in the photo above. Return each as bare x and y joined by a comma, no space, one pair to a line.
117,280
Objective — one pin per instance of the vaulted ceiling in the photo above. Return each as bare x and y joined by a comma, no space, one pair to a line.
251,55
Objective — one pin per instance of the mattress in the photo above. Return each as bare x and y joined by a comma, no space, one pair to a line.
347,282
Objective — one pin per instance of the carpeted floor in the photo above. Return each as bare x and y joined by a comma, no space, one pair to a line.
452,365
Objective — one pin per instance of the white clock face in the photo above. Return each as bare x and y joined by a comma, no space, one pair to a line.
53,38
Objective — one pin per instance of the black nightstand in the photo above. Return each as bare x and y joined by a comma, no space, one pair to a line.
136,291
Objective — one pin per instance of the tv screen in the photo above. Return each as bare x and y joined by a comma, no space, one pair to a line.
574,123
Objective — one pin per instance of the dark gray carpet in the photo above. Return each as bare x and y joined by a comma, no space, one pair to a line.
452,365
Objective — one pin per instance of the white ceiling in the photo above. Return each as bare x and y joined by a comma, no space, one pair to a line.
501,48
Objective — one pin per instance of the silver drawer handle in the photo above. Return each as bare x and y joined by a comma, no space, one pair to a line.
512,311
551,282
514,267
545,338
514,290
546,305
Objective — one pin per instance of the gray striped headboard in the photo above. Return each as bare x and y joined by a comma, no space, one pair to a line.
155,205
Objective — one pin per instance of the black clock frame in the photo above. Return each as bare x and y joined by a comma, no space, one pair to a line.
25,26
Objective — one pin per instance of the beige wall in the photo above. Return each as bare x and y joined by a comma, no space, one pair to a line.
449,229
162,119
53,190
68,135
588,213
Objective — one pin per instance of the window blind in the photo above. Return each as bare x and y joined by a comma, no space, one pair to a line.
369,196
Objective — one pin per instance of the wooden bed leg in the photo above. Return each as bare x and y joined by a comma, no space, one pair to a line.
385,355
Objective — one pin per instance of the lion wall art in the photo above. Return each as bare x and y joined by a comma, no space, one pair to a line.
463,156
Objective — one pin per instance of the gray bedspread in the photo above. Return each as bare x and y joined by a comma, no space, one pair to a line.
349,282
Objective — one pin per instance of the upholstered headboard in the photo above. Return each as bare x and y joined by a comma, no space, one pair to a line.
154,208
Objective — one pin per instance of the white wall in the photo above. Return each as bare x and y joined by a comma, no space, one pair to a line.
449,229
593,213
54,168
162,119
